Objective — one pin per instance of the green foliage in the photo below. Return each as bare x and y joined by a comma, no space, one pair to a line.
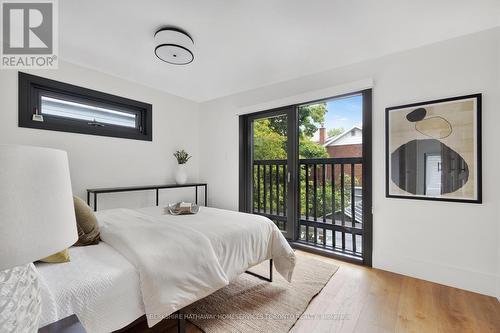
335,131
310,116
181,156
270,134
268,144
330,206
311,149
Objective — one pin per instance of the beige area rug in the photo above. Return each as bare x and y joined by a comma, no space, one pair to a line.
250,304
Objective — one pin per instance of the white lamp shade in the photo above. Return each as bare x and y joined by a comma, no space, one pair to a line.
37,216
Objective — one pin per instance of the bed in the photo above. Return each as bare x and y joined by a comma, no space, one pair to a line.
154,263
99,285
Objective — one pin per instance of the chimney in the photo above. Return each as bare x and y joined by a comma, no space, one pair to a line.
322,135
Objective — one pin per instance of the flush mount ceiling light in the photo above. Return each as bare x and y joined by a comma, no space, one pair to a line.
174,46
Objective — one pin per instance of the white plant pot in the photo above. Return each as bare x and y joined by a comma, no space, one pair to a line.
181,174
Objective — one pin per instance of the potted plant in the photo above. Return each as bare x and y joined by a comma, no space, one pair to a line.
182,158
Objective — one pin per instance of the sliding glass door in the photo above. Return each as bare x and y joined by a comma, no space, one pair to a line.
307,167
270,149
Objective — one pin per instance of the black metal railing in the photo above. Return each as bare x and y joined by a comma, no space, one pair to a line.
330,210
270,190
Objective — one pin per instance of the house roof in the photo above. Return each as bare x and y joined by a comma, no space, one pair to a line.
358,211
332,140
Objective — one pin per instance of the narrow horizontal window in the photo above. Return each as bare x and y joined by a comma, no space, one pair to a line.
52,105
78,111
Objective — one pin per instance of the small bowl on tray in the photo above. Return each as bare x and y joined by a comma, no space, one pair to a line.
183,208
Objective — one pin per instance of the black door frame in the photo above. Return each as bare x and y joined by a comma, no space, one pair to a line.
245,166
246,160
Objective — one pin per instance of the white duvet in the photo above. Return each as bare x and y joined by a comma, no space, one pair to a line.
181,259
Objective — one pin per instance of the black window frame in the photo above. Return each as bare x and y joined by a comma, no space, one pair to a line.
32,87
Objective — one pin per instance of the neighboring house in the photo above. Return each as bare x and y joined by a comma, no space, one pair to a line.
347,144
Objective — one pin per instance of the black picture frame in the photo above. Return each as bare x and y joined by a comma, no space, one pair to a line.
478,150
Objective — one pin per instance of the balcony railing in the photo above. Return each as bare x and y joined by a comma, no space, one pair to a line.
270,190
330,211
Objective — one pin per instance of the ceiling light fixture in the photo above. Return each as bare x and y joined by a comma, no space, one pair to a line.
174,46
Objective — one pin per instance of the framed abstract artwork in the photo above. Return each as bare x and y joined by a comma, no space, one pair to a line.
433,150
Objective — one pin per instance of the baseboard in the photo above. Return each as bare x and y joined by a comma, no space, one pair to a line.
498,287
478,282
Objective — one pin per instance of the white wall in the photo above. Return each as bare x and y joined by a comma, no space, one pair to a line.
498,208
450,243
102,161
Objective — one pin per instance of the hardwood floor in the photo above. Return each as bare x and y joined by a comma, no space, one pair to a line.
360,299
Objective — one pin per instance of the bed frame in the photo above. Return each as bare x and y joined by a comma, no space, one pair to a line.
179,318
268,279
181,321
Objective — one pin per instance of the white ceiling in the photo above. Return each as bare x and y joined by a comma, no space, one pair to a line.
246,44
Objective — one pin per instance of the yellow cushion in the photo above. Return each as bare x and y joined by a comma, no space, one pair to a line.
62,256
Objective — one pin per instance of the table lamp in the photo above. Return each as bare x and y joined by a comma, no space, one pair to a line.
37,219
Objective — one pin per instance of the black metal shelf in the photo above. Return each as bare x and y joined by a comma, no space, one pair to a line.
157,188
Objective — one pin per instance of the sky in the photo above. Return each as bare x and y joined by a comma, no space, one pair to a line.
343,112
